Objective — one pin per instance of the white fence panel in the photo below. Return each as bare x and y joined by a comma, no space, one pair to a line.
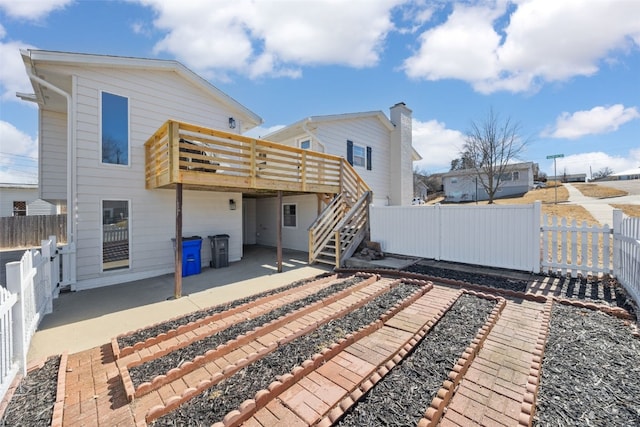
8,365
626,253
575,248
496,236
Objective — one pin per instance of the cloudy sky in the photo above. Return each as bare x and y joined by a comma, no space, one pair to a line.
567,71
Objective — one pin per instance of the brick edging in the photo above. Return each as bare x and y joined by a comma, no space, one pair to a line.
444,395
533,380
225,348
126,351
58,407
250,406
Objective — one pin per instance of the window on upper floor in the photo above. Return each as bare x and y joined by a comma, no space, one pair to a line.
115,129
305,144
358,155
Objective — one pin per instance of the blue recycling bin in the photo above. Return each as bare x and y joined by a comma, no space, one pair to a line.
190,255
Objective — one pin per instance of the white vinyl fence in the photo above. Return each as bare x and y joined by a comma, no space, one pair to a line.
512,237
626,253
503,236
32,283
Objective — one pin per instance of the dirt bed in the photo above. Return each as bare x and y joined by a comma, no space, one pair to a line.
590,371
33,400
213,404
406,392
147,371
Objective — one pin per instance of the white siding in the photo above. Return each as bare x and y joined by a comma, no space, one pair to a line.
154,97
365,132
9,195
53,156
249,221
40,207
292,238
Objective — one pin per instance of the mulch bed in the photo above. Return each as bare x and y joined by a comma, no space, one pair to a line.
147,371
406,392
213,404
590,371
153,331
34,398
493,281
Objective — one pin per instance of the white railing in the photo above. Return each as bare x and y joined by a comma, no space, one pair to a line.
114,233
32,284
626,253
503,236
575,249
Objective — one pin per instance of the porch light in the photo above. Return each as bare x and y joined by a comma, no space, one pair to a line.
232,205
232,123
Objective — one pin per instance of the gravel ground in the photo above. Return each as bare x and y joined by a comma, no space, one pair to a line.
590,371
153,331
33,400
213,404
406,392
147,371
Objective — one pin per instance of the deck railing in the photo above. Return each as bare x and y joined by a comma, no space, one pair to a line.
201,157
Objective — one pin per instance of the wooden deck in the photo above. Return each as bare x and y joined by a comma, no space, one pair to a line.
208,159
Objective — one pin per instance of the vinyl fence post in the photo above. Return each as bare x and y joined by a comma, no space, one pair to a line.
536,258
617,255
14,285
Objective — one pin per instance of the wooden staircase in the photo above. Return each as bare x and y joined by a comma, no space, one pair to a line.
335,235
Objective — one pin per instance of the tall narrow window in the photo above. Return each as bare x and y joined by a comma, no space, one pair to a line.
289,216
115,234
115,129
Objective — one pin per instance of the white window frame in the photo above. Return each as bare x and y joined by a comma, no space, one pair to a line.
303,141
360,161
100,159
101,228
295,205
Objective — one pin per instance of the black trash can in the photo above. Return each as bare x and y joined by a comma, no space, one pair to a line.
219,251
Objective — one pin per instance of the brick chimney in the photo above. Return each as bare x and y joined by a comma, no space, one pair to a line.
401,156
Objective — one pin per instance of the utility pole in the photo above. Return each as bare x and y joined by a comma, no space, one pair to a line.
555,172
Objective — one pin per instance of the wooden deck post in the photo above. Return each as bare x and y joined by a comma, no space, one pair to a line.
279,232
177,292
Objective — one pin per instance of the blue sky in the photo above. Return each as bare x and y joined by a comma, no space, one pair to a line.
567,71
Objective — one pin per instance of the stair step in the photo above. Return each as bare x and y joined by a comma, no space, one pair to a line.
326,261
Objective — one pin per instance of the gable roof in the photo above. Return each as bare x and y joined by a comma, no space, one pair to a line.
300,125
510,167
32,58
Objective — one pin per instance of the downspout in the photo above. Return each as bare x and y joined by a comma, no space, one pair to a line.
71,224
311,135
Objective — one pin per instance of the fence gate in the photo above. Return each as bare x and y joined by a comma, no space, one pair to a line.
575,248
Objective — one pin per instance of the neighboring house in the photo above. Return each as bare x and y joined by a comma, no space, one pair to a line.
463,185
95,114
624,175
576,177
22,199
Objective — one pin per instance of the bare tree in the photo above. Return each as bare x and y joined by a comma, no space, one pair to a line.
490,146
602,173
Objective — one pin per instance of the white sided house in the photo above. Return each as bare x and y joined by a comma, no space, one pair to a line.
143,151
95,115
22,199
464,185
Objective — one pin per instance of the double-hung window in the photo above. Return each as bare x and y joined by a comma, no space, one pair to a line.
358,155
289,215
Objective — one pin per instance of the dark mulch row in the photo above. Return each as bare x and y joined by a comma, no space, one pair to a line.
492,281
33,401
213,404
598,290
405,393
590,371
153,331
146,371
